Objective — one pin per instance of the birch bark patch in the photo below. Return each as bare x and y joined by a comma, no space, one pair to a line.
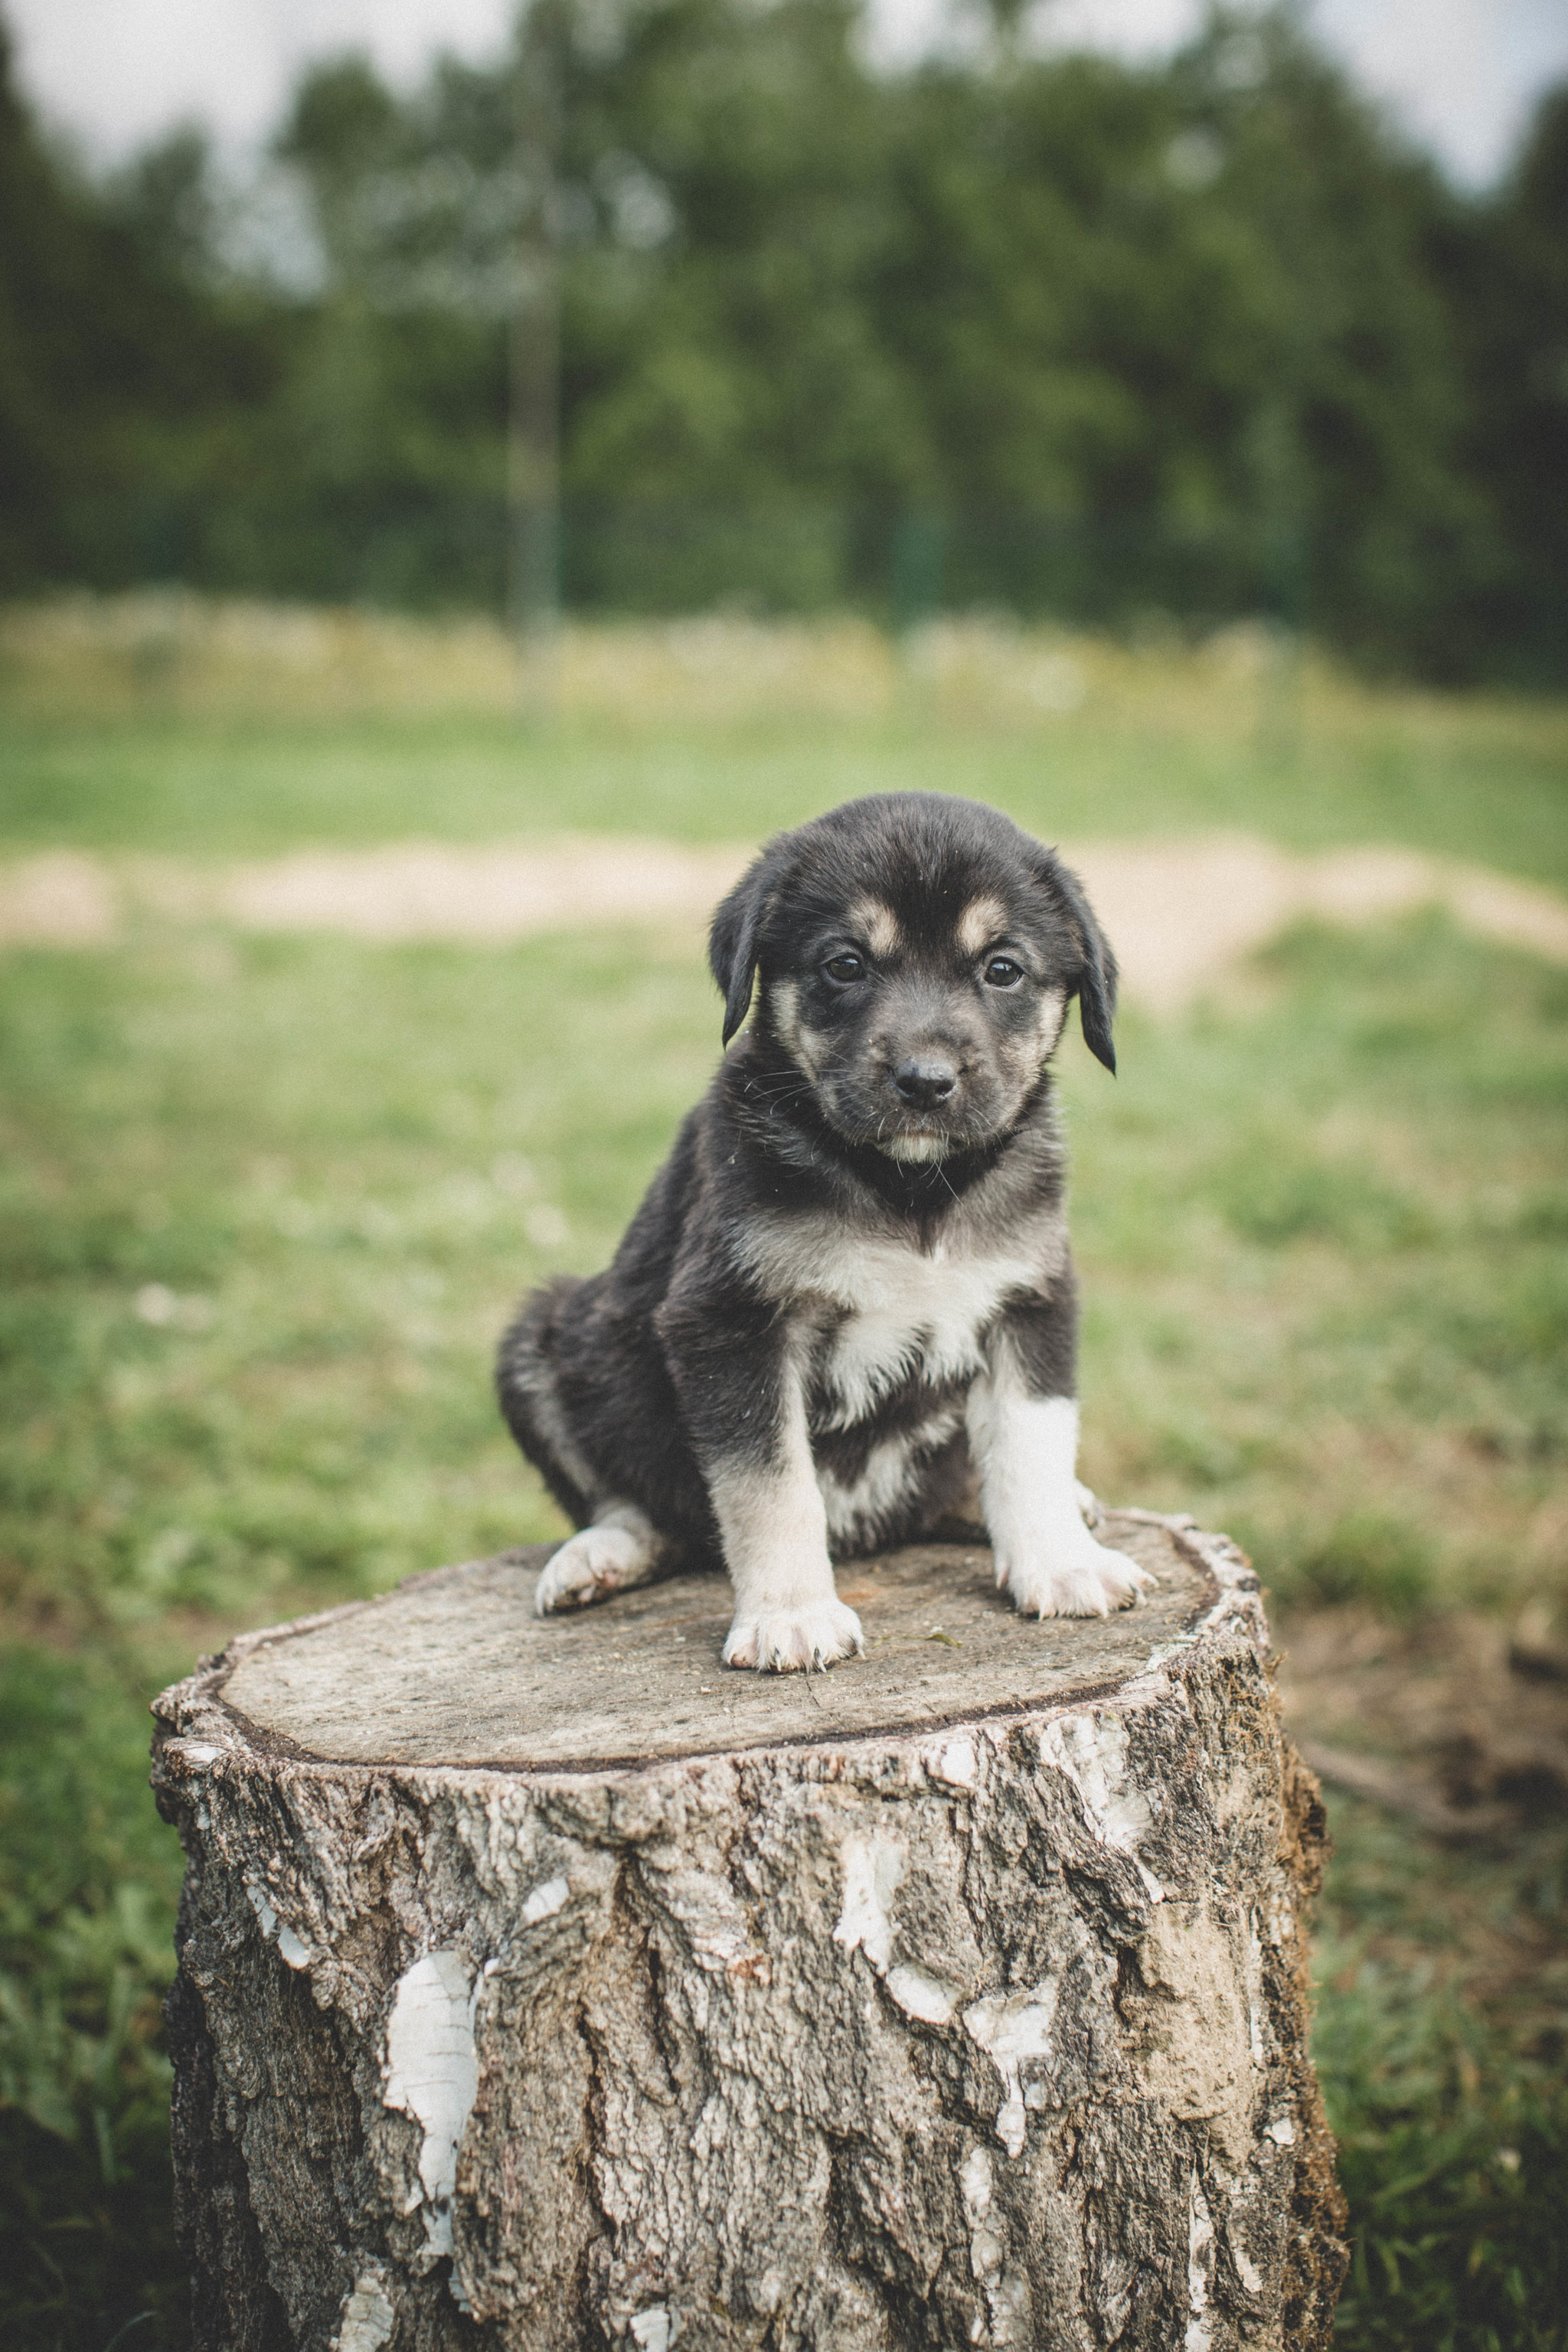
1092,1750
368,2318
872,1870
921,1996
431,2072
545,1901
1012,2029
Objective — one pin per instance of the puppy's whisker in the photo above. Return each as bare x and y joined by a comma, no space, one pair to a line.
782,1089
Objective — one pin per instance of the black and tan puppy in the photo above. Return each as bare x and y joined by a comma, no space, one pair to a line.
844,1313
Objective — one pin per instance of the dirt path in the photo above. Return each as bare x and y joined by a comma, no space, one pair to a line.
1180,912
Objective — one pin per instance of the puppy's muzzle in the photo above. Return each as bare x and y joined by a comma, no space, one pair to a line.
924,1080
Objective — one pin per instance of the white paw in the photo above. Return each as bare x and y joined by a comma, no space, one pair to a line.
1069,1575
1089,1508
592,1564
793,1641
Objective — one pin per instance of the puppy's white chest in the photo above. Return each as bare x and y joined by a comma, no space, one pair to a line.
909,1317
889,1311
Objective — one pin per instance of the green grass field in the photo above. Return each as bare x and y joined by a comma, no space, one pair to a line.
1488,787
263,1203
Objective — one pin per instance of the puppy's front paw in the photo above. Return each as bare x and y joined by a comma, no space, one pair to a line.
1069,1575
793,1641
591,1565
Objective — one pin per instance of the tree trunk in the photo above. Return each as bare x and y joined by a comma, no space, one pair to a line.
543,1985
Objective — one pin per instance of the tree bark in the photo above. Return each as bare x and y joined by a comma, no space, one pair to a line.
543,1985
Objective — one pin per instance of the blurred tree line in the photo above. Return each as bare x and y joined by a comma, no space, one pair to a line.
1058,333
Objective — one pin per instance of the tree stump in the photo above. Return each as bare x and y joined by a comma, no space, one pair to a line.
544,1985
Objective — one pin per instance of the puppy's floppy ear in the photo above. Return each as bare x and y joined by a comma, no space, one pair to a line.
732,940
1096,984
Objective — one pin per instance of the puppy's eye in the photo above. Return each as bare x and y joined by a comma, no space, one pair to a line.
845,968
1001,971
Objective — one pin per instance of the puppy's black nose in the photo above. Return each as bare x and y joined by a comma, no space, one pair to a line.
925,1080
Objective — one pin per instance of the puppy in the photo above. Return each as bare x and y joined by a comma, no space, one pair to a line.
845,1316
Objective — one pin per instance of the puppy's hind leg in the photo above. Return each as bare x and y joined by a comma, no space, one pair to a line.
616,1545
531,1400
622,1548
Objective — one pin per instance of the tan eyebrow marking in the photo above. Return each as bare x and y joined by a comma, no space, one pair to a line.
979,923
876,924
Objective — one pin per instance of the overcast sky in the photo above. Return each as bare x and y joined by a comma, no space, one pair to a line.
1460,74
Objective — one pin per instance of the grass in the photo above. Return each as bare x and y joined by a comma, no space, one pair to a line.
263,1203
725,732
1443,2072
88,1890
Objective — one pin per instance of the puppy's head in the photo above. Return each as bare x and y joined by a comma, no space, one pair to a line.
916,956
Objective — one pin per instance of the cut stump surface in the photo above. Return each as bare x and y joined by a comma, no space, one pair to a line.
544,1985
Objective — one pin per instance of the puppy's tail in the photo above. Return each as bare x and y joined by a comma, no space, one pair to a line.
530,1402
